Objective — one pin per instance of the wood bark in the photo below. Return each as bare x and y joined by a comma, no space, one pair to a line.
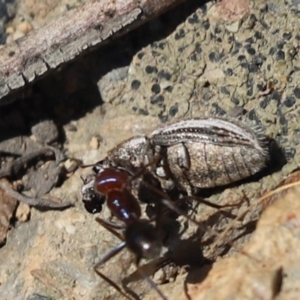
94,24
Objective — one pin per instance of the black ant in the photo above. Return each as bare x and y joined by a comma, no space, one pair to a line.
140,236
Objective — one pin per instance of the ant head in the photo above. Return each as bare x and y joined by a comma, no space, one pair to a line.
101,165
142,239
92,201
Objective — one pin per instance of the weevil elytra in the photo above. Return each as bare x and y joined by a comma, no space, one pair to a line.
210,152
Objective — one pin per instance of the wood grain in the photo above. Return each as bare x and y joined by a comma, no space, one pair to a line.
62,40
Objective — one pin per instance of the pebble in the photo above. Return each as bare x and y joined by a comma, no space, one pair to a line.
17,34
45,132
95,143
25,27
23,212
71,165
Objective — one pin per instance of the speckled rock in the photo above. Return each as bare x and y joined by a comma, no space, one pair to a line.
7,11
206,66
264,268
203,68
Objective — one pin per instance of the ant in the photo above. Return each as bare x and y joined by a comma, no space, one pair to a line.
140,236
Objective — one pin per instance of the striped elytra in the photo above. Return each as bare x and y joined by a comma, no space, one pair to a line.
210,152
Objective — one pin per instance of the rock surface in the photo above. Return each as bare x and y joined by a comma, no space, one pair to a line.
196,60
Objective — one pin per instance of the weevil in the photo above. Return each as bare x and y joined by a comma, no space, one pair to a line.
193,153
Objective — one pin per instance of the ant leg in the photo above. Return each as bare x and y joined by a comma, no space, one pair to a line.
147,278
165,199
82,166
106,258
152,283
208,203
117,226
113,284
110,228
167,202
110,255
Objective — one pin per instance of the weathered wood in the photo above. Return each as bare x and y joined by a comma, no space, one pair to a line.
60,41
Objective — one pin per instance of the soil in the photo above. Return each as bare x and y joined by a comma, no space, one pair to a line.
236,59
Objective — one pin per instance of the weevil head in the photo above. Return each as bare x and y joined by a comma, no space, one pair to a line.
132,153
